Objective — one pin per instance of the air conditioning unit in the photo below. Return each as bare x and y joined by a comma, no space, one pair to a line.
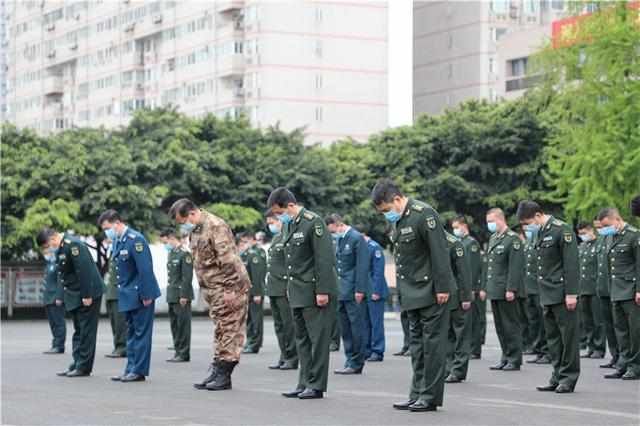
73,46
139,86
78,16
51,54
51,27
129,28
157,19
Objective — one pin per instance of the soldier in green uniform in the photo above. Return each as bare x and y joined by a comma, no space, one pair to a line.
255,261
179,294
589,303
83,288
623,247
558,279
276,289
505,268
52,298
425,282
313,289
460,316
602,290
117,319
479,300
533,306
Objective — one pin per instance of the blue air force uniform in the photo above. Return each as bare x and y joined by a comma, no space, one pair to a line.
136,282
353,270
375,342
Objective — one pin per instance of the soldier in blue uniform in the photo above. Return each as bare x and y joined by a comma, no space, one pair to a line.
352,257
137,291
53,296
83,288
374,318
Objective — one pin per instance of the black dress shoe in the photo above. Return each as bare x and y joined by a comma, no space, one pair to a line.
170,348
533,360
498,366
401,352
404,405
289,365
615,375
451,378
117,378
548,388
63,373
586,355
311,394
54,351
475,356
529,352
334,347
293,394
597,355
77,373
544,359
610,364
630,375
348,371
177,359
562,388
116,355
132,377
375,358
511,367
421,406
275,366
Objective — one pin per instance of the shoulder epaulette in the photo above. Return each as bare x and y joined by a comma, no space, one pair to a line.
451,238
632,229
308,215
67,241
418,207
557,222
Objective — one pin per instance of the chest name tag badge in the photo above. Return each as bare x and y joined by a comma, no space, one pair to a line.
298,235
547,238
406,231
124,252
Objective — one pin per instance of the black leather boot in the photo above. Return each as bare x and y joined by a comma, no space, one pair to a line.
223,379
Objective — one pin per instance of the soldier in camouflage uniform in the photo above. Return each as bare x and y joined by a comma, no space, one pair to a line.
225,286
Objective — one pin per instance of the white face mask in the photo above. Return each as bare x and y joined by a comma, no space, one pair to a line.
458,232
585,237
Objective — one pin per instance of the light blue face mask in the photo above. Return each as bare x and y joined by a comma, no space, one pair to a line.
392,216
608,231
186,227
284,218
528,235
111,234
458,232
492,227
534,228
338,235
168,247
585,238
274,229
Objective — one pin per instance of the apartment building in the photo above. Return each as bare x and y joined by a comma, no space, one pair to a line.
4,67
476,49
321,65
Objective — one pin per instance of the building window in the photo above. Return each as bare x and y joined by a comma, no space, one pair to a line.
492,95
317,48
318,113
518,67
500,7
492,65
531,7
557,4
318,14
318,81
450,40
450,70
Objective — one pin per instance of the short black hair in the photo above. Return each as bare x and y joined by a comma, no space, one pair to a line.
460,218
182,208
281,197
110,216
527,209
169,232
44,236
635,206
333,218
246,236
608,212
584,225
384,191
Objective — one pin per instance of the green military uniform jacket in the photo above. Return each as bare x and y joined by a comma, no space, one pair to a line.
588,267
422,260
461,268
473,252
77,273
624,264
255,261
111,292
602,254
276,269
310,259
52,290
505,265
531,268
180,275
557,262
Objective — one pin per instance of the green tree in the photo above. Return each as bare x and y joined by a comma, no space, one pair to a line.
592,81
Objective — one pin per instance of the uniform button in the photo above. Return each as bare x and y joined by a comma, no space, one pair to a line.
290,278
289,267
613,276
402,277
489,276
288,255
118,285
539,278
118,276
613,259
583,276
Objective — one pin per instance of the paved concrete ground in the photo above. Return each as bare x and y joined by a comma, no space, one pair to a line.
33,395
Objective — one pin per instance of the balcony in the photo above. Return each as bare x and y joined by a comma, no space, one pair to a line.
131,60
54,110
231,65
53,85
522,83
